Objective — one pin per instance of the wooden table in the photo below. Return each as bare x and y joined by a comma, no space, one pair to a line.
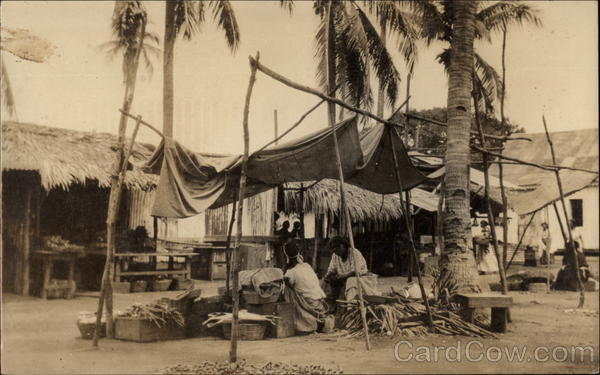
497,302
48,259
187,271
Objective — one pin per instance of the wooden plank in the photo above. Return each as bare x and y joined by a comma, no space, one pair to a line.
156,254
484,300
165,272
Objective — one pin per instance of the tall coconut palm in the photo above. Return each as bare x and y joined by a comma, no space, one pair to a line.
438,19
457,266
129,35
184,18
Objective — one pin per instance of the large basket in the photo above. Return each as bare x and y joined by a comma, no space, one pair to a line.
247,331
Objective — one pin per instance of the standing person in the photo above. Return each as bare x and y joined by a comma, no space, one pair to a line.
546,242
340,279
577,234
303,291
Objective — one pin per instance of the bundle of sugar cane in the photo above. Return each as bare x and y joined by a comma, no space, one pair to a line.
158,313
405,319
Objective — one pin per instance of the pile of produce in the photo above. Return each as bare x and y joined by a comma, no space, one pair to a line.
244,368
57,243
159,313
405,317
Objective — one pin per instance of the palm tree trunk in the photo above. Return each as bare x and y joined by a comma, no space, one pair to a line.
168,56
457,264
106,293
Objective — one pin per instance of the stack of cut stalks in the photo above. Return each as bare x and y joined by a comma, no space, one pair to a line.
400,316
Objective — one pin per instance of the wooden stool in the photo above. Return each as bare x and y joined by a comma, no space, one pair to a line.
497,302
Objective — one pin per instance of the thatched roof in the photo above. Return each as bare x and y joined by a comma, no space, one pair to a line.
63,156
364,205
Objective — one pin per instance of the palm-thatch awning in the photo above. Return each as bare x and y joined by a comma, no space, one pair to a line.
364,205
63,156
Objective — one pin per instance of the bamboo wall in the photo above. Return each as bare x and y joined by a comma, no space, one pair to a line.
257,217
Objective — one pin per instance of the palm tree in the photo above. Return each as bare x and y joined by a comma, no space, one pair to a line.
438,19
458,272
129,36
184,17
357,50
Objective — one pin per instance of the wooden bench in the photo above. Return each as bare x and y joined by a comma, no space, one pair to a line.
497,302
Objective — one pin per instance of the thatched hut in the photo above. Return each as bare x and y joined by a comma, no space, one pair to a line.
56,182
376,219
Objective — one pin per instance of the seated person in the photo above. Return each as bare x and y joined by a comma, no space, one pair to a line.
340,279
566,279
303,290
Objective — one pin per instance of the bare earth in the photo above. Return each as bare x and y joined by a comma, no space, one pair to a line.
42,337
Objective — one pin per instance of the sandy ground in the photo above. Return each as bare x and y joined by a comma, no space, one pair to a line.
41,337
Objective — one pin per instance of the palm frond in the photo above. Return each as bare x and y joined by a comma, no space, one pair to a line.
491,83
225,16
504,13
287,5
363,36
403,24
188,17
321,53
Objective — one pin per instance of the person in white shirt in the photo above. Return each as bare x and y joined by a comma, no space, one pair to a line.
303,290
340,279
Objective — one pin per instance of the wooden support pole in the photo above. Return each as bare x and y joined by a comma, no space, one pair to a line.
27,242
520,241
562,229
488,202
505,214
111,221
278,77
228,249
240,212
409,229
571,243
331,83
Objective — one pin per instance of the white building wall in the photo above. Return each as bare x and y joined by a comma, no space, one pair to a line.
591,223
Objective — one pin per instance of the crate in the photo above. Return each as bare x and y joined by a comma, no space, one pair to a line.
121,286
218,271
252,298
145,330
284,326
247,331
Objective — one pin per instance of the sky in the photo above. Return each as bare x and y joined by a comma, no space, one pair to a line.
552,70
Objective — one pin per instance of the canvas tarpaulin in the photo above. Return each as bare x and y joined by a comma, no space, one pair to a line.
192,182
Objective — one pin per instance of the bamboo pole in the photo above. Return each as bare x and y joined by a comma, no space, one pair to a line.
228,249
488,202
520,241
111,220
405,210
278,77
571,245
240,212
331,83
546,167
562,229
500,168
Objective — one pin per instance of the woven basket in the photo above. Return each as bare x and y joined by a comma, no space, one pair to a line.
247,331
537,287
87,330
